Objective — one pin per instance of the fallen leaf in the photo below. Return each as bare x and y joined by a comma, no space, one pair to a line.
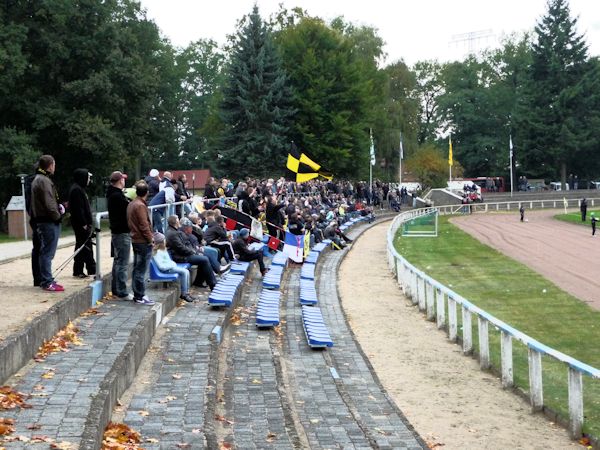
197,430
59,343
143,413
223,419
183,445
255,381
10,399
225,446
314,420
34,426
6,426
48,375
119,436
271,436
152,441
176,376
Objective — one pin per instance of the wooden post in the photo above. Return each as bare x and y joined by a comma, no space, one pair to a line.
536,389
507,359
575,403
430,302
452,322
467,333
440,309
484,343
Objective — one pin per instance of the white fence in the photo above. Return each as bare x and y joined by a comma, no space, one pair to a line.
516,204
434,298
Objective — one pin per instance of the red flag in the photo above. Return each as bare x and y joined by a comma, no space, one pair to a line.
230,224
273,243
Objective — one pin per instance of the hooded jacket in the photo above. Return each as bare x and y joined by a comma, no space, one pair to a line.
44,199
79,204
117,210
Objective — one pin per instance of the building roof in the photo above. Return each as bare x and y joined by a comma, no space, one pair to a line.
196,178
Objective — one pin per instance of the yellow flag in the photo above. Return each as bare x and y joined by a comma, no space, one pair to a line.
450,161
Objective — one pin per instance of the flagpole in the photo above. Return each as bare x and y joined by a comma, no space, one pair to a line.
450,161
511,164
400,161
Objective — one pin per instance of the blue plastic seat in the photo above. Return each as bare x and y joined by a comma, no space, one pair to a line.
155,275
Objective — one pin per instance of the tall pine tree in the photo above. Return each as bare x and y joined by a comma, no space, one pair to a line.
255,108
551,124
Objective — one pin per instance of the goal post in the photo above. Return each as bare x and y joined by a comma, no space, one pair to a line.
423,225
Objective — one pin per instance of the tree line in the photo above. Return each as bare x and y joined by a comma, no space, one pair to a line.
97,86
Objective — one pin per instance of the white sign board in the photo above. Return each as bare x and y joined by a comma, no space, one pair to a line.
17,203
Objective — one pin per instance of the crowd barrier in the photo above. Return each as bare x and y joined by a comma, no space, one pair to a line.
435,298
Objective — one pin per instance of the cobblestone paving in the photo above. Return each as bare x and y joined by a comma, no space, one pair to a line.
170,412
250,390
61,388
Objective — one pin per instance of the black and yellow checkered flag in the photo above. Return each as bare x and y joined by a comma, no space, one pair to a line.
302,168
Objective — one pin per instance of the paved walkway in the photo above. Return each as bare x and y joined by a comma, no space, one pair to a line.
258,389
22,249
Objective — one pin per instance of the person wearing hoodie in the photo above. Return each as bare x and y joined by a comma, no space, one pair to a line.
81,221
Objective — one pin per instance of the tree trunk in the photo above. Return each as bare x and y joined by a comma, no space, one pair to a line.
563,175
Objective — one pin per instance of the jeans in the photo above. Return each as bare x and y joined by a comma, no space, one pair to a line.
121,244
142,253
35,254
213,257
48,233
205,272
184,278
157,219
252,256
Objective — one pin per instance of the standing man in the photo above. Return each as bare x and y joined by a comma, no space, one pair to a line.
594,220
120,237
81,221
583,209
522,212
35,237
47,213
141,237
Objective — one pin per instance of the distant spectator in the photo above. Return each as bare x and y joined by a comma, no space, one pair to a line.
165,264
153,183
522,213
82,223
594,220
583,209
47,213
141,237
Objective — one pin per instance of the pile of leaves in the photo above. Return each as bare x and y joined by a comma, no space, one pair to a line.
7,426
119,436
59,343
10,399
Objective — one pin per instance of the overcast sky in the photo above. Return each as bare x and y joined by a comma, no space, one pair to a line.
413,30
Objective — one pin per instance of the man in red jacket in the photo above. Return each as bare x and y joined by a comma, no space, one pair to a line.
141,238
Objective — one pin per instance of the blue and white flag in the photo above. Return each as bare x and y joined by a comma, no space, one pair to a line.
293,246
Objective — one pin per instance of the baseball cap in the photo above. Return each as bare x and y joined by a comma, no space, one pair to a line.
244,233
117,175
158,238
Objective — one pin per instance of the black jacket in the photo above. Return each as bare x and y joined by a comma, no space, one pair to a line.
117,210
240,246
215,232
79,204
179,245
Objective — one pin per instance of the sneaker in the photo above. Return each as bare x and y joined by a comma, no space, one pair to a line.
127,297
187,297
54,287
144,301
264,272
224,268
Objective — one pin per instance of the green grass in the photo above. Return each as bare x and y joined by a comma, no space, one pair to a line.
520,297
575,217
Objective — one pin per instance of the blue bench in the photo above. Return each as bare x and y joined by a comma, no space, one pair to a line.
279,259
155,275
315,329
308,293
239,267
307,272
267,310
225,290
312,257
272,279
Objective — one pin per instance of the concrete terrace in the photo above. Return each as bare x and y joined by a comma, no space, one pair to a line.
201,386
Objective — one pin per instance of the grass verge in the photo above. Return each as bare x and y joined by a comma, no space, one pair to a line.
522,298
575,217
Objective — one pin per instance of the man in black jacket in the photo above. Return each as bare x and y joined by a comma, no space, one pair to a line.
183,251
81,221
120,237
240,246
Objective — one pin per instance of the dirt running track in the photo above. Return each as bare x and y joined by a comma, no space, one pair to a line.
445,396
562,252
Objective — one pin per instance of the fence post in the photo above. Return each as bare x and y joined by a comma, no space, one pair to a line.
506,359
452,322
430,302
414,288
467,334
484,343
440,310
400,276
575,403
421,294
536,389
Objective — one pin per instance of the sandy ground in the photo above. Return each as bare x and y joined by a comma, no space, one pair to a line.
563,252
444,394
20,301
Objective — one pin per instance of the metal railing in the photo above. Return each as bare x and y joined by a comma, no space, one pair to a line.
434,298
516,204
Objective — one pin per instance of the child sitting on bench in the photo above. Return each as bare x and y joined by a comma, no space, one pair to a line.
163,261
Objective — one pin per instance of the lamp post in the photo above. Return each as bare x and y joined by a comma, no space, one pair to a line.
22,176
